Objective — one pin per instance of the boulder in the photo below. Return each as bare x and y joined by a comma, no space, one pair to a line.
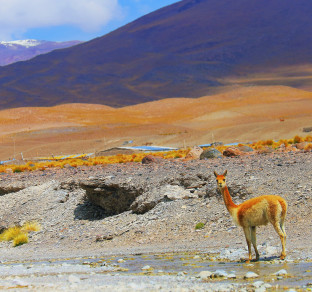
266,150
245,148
232,152
194,153
291,148
151,159
210,153
301,145
307,130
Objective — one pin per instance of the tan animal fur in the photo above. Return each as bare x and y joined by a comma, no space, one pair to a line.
255,212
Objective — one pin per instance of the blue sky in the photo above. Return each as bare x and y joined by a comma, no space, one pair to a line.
63,20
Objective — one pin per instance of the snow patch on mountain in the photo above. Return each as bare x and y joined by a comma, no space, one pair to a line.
25,43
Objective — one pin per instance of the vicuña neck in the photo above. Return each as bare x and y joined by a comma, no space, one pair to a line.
228,199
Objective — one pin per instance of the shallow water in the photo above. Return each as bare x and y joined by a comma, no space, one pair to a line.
182,268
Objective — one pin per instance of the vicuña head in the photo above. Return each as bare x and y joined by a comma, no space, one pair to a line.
255,212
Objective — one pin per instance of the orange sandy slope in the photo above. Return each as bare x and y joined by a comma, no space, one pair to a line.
237,115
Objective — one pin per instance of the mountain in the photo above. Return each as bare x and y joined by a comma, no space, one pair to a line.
21,50
188,49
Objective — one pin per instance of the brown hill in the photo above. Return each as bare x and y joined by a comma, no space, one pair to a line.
190,48
240,115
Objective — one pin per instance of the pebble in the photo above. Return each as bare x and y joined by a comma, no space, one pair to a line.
147,268
204,275
258,284
250,275
19,282
282,272
181,274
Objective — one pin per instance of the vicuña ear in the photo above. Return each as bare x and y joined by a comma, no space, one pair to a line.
225,173
215,174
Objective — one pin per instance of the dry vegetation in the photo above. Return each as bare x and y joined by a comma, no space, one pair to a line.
137,157
19,234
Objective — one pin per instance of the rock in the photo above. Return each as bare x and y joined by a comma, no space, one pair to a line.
194,153
204,275
291,149
245,148
108,236
20,282
147,201
258,284
250,275
301,145
151,159
237,190
220,274
282,272
147,268
214,144
308,148
210,153
177,193
307,129
232,152
266,150
181,274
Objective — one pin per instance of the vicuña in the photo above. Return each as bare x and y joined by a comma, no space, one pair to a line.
255,212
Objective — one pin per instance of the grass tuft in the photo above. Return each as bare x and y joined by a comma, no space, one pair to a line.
10,233
18,234
20,239
31,226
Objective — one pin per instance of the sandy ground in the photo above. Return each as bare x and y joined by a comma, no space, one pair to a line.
240,114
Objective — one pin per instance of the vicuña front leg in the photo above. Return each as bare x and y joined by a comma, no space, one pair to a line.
248,240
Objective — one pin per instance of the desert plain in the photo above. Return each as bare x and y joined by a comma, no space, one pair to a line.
152,244
234,114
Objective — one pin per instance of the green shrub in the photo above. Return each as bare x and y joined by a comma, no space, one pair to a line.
199,225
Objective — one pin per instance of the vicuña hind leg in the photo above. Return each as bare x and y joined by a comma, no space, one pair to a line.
254,241
282,234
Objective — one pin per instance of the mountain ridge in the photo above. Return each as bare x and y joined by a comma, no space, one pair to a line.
187,49
22,50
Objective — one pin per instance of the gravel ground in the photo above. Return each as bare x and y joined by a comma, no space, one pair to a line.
73,227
